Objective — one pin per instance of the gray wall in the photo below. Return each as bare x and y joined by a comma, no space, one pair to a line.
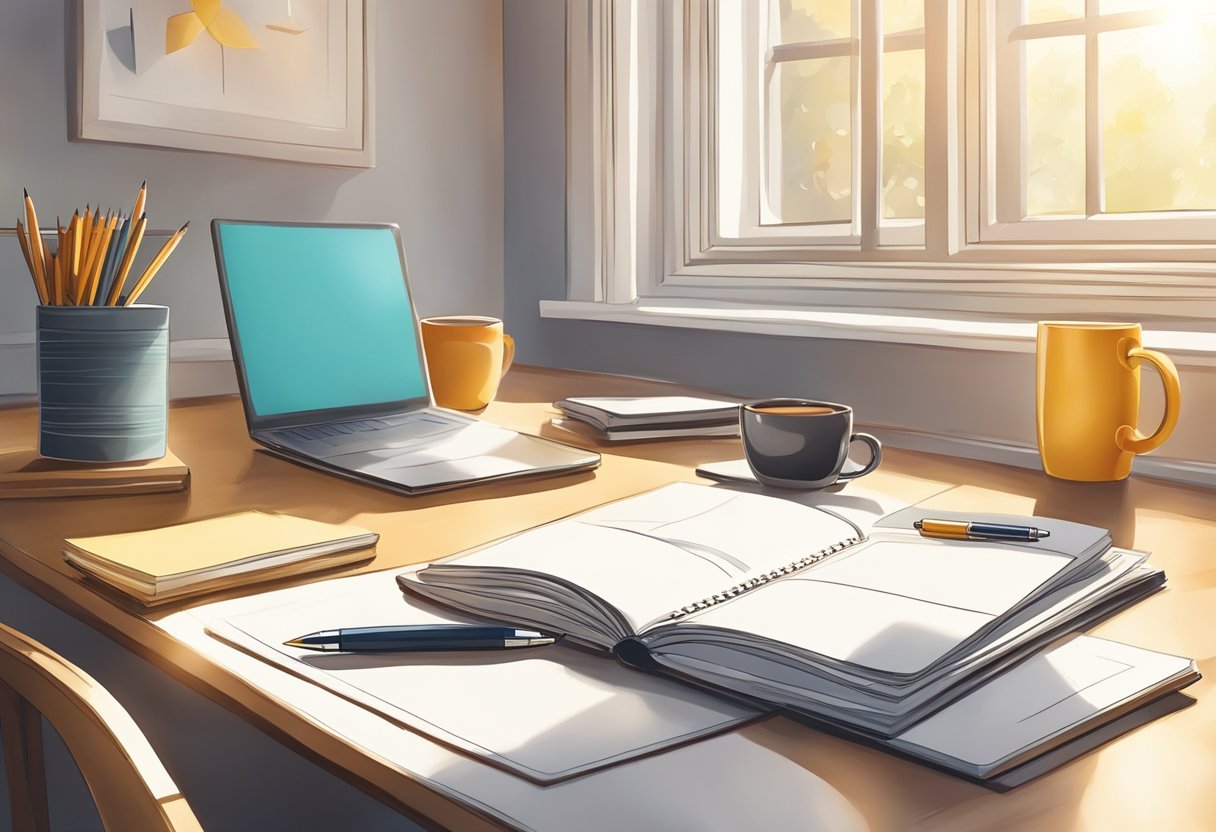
927,389
439,169
439,174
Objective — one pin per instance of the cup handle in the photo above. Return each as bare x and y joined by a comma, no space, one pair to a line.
508,352
1127,437
875,455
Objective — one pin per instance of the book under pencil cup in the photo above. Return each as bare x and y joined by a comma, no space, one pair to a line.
103,382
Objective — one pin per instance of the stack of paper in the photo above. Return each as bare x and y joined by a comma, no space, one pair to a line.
632,418
169,563
869,630
23,474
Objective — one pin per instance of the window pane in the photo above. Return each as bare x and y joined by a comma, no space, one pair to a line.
1158,88
806,20
1055,126
902,15
1176,10
903,134
1044,11
811,158
1116,6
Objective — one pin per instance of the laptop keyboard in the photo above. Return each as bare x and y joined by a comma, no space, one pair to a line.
414,426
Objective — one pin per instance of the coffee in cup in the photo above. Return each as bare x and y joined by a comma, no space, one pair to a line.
798,443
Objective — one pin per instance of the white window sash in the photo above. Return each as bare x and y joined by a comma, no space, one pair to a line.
998,62
663,244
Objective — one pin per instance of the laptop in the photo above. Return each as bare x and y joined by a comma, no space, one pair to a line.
329,359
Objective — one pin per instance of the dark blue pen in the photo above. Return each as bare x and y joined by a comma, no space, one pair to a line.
418,637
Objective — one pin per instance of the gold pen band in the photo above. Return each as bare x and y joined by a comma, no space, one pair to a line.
947,529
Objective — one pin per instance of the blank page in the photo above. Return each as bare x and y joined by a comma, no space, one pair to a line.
546,712
652,554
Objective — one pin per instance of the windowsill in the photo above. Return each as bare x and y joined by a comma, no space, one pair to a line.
1186,348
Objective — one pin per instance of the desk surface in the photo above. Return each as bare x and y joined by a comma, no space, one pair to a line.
1159,776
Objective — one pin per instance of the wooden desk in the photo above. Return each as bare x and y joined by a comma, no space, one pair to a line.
1160,776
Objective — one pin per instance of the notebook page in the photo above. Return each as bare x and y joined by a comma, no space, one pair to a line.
554,711
651,554
893,606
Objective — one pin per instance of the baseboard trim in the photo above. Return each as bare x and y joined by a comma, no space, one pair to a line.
1189,472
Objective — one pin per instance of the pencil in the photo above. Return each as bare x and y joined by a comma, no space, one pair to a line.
157,262
37,253
39,286
140,200
60,261
94,276
72,267
89,252
133,241
117,246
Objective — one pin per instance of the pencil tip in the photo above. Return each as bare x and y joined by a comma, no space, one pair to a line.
144,184
26,191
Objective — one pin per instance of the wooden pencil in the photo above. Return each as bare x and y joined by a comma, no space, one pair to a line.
141,200
154,266
37,251
94,276
72,266
96,238
60,262
133,241
39,286
117,247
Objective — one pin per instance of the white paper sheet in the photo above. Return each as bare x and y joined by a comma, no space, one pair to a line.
654,553
547,713
1054,693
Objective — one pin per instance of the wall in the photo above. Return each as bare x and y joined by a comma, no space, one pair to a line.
439,174
439,171
923,392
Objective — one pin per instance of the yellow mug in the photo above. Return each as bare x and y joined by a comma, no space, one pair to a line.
466,358
1088,397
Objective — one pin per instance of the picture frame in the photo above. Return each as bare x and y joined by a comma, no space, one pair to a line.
303,93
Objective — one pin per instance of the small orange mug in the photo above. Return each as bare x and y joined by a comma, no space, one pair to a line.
1089,399
466,358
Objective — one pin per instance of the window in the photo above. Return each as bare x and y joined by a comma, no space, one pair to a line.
821,159
1023,160
1104,119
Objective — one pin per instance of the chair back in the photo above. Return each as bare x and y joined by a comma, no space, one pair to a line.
130,787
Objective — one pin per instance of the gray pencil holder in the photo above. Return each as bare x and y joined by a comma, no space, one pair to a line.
103,382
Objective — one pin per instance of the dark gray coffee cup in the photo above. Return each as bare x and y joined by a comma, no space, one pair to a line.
804,450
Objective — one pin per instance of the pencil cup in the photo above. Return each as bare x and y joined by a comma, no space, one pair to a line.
103,382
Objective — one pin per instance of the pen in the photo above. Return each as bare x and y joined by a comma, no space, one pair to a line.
962,530
418,637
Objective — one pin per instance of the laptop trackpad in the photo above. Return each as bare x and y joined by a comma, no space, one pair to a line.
475,452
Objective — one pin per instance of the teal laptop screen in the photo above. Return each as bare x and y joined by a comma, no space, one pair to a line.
323,316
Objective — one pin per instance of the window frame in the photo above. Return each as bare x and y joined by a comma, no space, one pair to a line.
641,134
1002,195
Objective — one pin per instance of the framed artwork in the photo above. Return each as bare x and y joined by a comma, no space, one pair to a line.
282,79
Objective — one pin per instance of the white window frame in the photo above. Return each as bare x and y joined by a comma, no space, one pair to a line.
1002,196
641,129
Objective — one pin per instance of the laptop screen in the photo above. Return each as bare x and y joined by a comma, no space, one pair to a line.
321,315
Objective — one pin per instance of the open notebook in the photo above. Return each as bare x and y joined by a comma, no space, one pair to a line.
870,630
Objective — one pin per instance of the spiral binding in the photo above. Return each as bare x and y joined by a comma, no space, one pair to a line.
763,578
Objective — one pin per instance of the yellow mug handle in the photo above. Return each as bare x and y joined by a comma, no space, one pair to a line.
508,352
1127,437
